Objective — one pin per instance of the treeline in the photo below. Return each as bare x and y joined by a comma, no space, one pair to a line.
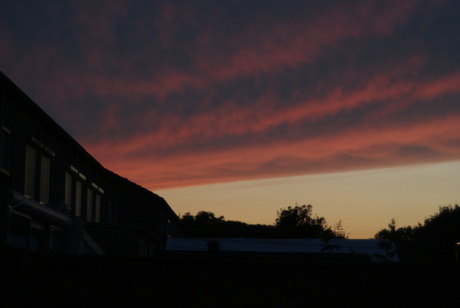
292,222
434,240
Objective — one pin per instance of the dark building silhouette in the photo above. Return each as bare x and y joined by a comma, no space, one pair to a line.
56,198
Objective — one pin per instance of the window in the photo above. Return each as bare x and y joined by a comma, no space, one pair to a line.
89,205
39,237
93,203
37,172
57,241
5,146
26,233
111,213
74,190
68,189
19,231
30,188
45,165
78,191
97,216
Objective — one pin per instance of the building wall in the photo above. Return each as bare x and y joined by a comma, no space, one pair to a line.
42,164
56,159
159,219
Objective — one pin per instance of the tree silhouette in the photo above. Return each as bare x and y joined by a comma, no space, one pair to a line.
292,222
203,224
298,222
206,224
432,241
402,238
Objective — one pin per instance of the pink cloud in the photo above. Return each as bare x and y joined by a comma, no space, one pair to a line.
371,141
233,119
273,47
144,97
268,48
310,156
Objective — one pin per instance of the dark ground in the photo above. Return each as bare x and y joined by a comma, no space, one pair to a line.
230,282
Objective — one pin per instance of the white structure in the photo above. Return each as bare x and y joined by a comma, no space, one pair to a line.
377,250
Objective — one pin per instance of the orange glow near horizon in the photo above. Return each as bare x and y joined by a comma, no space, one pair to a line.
364,201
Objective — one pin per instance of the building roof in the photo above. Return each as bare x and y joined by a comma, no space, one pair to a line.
371,247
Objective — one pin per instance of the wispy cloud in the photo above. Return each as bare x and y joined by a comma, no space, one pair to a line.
183,94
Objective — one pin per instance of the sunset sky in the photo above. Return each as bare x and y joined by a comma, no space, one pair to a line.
244,107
